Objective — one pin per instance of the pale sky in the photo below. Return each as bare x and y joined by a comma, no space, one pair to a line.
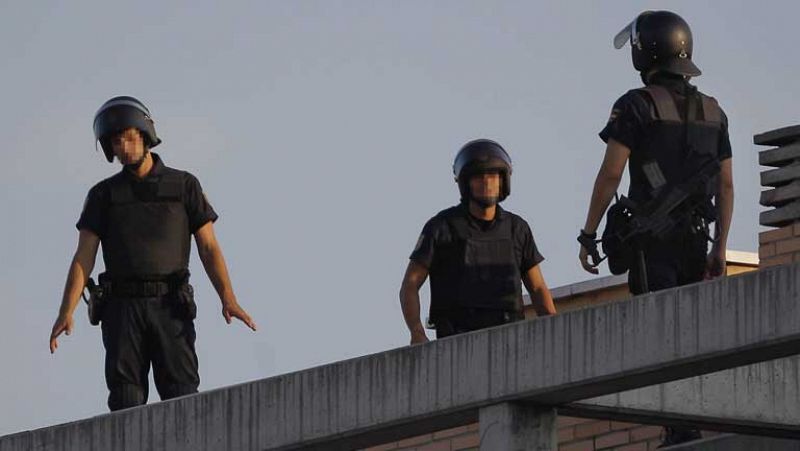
323,133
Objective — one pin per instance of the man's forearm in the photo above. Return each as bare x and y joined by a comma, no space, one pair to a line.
724,215
409,302
217,271
604,189
542,302
76,281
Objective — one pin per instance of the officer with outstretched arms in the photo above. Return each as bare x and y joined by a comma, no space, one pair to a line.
675,140
144,217
477,254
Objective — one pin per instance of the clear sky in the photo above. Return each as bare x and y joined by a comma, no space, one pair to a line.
323,133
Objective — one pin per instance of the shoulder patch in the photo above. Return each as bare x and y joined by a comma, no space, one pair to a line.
613,115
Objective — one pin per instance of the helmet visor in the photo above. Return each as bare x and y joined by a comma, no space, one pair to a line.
629,33
624,35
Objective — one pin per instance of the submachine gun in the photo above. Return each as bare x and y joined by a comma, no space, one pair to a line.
628,224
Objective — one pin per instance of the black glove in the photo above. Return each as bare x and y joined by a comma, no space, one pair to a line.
589,242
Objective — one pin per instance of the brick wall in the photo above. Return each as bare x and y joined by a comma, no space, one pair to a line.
779,246
781,196
574,434
578,434
460,438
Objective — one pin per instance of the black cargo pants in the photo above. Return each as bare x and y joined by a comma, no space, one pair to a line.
676,261
138,332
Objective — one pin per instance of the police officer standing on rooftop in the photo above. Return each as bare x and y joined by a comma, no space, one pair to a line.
476,254
144,217
669,131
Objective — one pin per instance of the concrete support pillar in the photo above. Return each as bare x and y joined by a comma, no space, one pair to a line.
516,427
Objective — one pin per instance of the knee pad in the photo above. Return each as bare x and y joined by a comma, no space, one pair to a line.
126,395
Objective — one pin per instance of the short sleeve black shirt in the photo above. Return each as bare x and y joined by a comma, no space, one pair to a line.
437,233
198,209
631,114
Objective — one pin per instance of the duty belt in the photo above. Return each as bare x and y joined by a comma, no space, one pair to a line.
139,288
462,312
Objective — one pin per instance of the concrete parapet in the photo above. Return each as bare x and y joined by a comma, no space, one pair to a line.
759,399
655,338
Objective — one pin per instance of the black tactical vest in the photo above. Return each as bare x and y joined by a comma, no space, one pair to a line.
147,233
476,270
679,142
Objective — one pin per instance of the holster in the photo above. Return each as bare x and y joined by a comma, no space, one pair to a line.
444,328
620,255
183,297
95,302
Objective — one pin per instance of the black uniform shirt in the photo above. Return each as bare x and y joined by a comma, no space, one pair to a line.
198,210
632,113
437,233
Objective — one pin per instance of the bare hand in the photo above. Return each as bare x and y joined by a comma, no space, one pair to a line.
715,264
63,324
583,256
419,337
234,310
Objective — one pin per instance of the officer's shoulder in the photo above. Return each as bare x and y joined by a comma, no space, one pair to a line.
705,94
721,110
448,213
180,174
440,219
633,97
170,171
516,219
634,103
102,186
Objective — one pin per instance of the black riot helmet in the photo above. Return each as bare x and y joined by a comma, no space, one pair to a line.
478,156
118,114
660,40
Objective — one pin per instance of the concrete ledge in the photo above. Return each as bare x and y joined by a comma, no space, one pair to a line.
778,137
780,176
779,197
780,156
586,286
780,216
652,339
758,399
741,258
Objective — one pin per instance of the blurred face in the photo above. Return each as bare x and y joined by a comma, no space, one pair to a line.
485,188
128,146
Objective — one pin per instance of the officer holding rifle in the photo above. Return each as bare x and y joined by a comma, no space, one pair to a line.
675,140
